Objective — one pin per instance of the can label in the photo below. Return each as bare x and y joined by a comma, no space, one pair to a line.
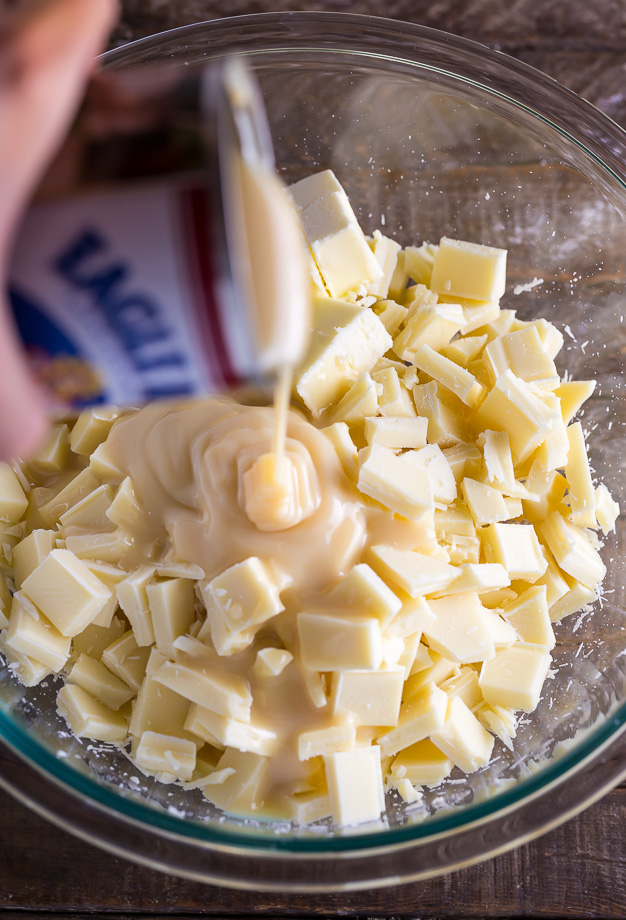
115,295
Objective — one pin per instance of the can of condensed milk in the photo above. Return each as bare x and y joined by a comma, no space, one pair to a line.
161,257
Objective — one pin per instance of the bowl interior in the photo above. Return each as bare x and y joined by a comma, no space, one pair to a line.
425,149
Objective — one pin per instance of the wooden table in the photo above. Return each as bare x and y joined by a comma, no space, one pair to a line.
578,870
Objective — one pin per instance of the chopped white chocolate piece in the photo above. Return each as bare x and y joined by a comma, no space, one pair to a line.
339,436
66,592
96,679
158,753
524,354
91,428
238,601
364,592
471,270
462,738
90,513
228,732
103,547
125,510
446,427
104,467
485,503
465,349
411,619
515,675
360,401
430,324
422,714
465,686
394,400
271,662
127,660
132,596
243,788
606,508
581,497
577,597
29,671
573,393
172,611
355,785
396,433
572,549
329,642
422,763
31,634
547,490
481,577
432,461
30,552
391,315
53,456
456,379
528,615
317,742
159,709
13,501
199,680
392,480
419,262
73,492
498,720
414,572
386,253
89,718
369,697
459,630
94,639
516,547
511,405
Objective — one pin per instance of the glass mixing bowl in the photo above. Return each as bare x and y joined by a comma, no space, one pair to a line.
431,135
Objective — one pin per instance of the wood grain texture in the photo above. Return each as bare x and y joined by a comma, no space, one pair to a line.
578,870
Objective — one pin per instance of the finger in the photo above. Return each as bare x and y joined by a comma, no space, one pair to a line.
49,60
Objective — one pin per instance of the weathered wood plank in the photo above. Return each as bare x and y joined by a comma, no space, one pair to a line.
578,870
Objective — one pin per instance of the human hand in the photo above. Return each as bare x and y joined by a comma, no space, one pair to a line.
44,63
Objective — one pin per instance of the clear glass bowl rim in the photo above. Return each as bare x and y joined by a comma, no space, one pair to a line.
522,86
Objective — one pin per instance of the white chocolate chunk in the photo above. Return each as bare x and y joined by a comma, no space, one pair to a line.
339,436
348,340
515,675
464,685
419,262
127,660
243,788
396,433
227,732
31,634
338,244
575,598
89,718
158,753
30,552
159,709
13,501
422,763
581,498
459,630
432,461
386,253
132,596
411,619
528,615
465,349
238,601
394,401
437,670
96,679
446,427
355,785
462,738
271,662
104,467
420,716
52,457
365,593
464,460
573,550
430,324
360,401
92,428
454,378
607,509
199,680
485,503
29,671
90,513
370,697
66,592
482,577
414,572
498,720
317,742
391,314
573,393
172,611
394,482
462,269
94,639
546,489
524,354
125,510
512,406
73,492
313,187
103,547
329,642
516,547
